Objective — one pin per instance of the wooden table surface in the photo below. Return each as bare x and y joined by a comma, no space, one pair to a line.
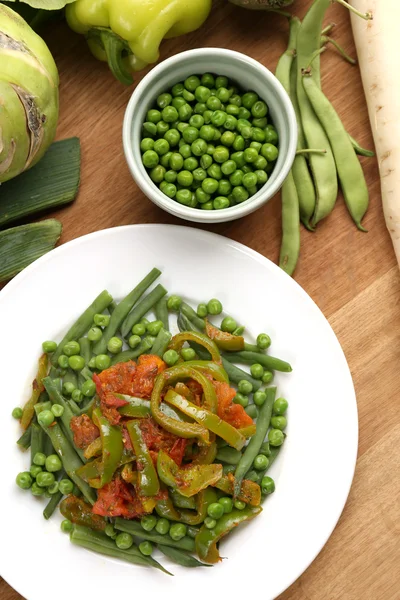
352,276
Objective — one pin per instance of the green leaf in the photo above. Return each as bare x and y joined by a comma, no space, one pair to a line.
45,4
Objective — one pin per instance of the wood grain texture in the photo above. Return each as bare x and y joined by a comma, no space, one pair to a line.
352,276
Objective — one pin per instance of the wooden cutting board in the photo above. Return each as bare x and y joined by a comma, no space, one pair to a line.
352,276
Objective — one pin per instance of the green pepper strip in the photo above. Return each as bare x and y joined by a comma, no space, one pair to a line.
248,431
80,513
206,540
179,428
136,407
199,338
224,340
216,371
182,501
112,444
185,372
206,454
37,388
148,484
190,480
213,422
250,492
166,509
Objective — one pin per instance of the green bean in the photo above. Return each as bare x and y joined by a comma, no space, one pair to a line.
37,440
126,355
86,349
47,446
360,150
54,373
112,306
83,324
87,406
73,406
162,314
350,173
99,542
70,459
25,440
229,455
55,499
322,166
86,374
272,457
57,398
122,310
269,362
180,557
290,245
160,346
254,445
70,377
191,314
141,309
135,529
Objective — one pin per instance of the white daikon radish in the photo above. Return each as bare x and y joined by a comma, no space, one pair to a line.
379,58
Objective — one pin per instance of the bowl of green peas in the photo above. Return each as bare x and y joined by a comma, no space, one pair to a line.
210,135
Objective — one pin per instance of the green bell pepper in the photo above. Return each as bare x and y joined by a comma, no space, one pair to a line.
198,338
190,480
112,448
127,33
37,388
224,340
206,540
250,492
166,509
148,484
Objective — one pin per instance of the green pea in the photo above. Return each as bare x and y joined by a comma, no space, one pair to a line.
88,388
114,345
199,174
245,387
221,154
227,504
276,437
207,133
162,526
206,161
228,167
215,172
149,129
267,485
214,307
148,522
185,112
76,363
207,206
146,548
213,103
236,178
164,100
101,320
221,81
246,132
201,196
95,334
224,188
259,397
241,399
170,357
186,151
185,178
170,176
215,510
261,462
257,371
161,147
252,411
172,136
238,158
77,396
66,526
196,121
177,89
249,180
256,145
157,174
134,341
17,413
176,161
270,152
233,109
227,138
190,164
258,135
207,114
191,83
210,523
57,411
36,490
177,531
279,422
169,114
260,122
259,109
230,123
154,327
71,348
249,99
162,128
200,109
262,177
44,479
218,118
181,127
188,354
202,93
209,185
178,102
45,418
53,463
102,362
271,135
110,531
280,406
221,202
244,113
239,193
49,346
223,94
35,470
260,163
139,329
63,361
202,310
239,504
66,486
247,169
267,377
184,196
124,541
153,115
174,303
208,80
250,155
210,149
190,134
24,480
236,100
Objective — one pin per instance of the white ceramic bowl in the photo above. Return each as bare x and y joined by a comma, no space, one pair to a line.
249,75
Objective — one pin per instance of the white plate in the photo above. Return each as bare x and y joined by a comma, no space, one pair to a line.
313,473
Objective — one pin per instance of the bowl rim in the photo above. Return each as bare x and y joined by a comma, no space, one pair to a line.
194,214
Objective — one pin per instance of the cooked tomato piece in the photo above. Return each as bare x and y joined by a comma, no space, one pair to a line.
156,439
119,499
84,430
227,410
149,366
117,378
